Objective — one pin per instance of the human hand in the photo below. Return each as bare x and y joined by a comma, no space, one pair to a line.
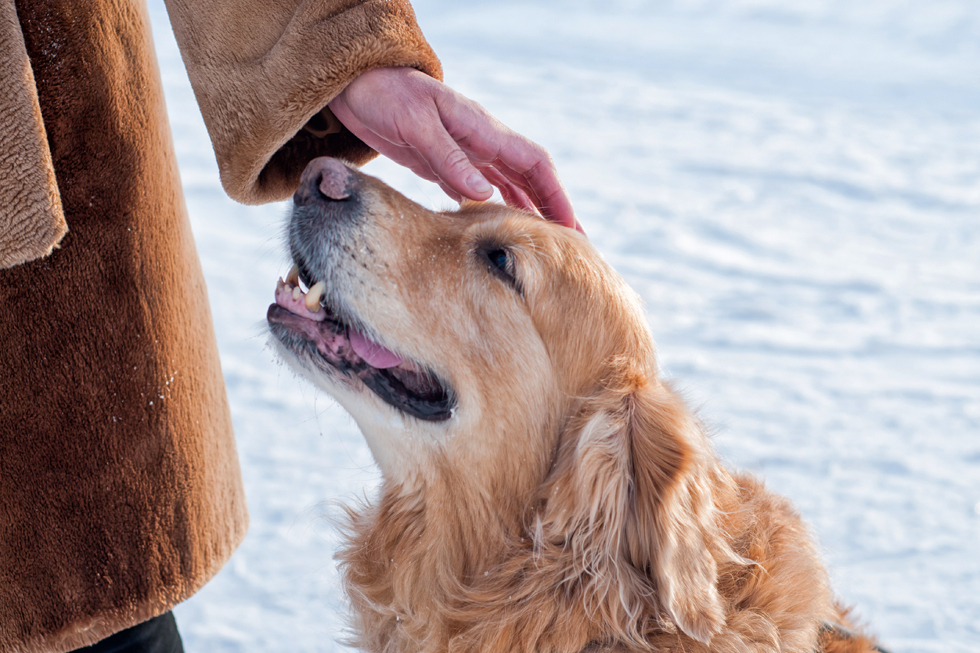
445,137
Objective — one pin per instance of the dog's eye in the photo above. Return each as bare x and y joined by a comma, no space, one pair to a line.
500,262
498,259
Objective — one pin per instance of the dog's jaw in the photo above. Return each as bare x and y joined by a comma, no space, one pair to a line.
398,444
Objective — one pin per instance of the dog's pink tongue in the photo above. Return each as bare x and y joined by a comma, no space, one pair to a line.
374,354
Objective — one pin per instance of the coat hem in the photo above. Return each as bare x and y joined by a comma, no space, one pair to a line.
113,621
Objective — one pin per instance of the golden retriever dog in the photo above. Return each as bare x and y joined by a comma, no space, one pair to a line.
544,490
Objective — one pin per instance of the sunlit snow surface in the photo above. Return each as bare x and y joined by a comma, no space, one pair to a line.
793,188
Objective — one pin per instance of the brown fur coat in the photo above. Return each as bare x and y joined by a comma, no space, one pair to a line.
120,493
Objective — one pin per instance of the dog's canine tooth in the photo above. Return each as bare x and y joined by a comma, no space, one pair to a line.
293,277
297,293
312,299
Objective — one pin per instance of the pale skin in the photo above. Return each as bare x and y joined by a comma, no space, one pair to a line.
445,137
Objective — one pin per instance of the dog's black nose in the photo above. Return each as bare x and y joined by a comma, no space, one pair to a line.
324,180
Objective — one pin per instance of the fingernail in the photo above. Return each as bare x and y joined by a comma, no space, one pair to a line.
478,183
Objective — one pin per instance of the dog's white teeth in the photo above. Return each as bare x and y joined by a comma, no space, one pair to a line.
312,299
280,286
293,277
297,293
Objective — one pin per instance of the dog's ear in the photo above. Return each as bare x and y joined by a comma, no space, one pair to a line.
630,501
673,526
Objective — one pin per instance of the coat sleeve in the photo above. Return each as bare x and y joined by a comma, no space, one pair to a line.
32,221
263,72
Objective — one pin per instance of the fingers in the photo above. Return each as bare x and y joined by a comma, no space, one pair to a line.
456,197
531,168
512,195
524,164
444,137
447,159
414,135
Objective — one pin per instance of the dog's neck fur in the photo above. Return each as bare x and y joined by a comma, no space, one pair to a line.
467,573
445,556
447,550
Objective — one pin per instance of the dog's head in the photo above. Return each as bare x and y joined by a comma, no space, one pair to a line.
501,347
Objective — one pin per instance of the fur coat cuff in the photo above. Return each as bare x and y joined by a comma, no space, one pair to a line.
264,72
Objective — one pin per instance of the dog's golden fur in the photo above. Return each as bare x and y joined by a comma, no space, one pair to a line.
573,501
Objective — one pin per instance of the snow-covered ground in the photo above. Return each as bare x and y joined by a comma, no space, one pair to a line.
793,188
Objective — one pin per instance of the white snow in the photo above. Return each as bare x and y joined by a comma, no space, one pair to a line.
793,188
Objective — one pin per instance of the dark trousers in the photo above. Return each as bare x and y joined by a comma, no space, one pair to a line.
158,635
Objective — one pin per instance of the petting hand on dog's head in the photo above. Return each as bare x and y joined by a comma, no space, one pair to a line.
442,136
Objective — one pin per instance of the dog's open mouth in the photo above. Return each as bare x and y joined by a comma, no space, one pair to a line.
305,326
